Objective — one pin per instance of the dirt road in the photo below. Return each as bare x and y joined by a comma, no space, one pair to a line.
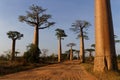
63,71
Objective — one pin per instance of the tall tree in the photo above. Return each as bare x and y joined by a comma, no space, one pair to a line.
105,54
80,27
60,33
71,50
14,35
37,18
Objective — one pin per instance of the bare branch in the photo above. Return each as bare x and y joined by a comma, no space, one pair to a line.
47,25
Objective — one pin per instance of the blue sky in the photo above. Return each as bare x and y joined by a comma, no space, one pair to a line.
64,13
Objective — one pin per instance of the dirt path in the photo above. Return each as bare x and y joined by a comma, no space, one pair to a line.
63,71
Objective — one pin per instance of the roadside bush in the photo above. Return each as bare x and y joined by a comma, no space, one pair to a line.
3,57
118,56
32,54
64,57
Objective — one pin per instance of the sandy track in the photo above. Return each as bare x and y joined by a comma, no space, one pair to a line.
63,71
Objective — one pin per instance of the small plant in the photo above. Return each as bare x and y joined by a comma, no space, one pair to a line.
32,54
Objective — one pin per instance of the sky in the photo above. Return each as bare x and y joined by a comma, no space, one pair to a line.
64,13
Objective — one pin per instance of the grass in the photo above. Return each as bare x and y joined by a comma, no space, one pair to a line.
7,67
110,75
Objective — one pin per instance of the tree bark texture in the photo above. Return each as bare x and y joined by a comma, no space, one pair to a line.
82,55
71,54
36,36
105,57
13,50
59,50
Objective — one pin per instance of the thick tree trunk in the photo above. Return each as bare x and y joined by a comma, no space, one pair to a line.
13,51
82,56
59,50
105,58
36,36
71,54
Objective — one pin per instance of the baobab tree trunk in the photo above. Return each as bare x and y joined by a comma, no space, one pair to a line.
105,57
59,50
13,51
82,56
36,36
71,54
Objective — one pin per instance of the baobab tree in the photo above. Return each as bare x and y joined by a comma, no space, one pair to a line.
80,27
105,54
71,50
60,33
37,18
14,35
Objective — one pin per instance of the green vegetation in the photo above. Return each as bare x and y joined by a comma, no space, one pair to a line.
8,67
24,63
32,54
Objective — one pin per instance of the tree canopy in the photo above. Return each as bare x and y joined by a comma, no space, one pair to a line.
14,35
60,33
71,44
37,16
78,27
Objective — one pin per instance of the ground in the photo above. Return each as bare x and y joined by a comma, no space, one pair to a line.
62,71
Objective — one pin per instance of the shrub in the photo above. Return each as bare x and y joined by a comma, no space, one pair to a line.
118,56
32,54
3,57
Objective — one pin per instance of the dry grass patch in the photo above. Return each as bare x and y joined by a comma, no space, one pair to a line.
7,67
110,75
